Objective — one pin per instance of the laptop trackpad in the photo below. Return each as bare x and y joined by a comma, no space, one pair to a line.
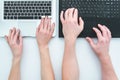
28,28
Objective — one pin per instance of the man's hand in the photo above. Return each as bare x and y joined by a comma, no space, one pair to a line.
15,42
44,32
72,26
101,48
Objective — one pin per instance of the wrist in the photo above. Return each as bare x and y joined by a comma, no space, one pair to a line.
70,40
16,60
106,62
70,43
105,59
43,47
70,37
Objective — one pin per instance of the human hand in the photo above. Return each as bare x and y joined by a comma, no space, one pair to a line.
72,27
15,41
101,48
44,32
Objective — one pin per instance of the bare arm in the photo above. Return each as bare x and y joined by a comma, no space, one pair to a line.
101,48
15,70
108,72
70,68
44,34
71,29
15,42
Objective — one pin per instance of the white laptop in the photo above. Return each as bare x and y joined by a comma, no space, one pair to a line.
25,15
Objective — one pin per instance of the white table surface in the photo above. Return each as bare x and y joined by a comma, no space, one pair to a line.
30,65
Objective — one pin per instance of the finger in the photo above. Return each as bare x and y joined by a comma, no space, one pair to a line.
40,25
49,25
108,32
81,23
90,41
6,37
71,13
45,23
104,31
37,31
13,33
52,28
75,14
17,35
99,35
10,33
20,40
67,14
61,17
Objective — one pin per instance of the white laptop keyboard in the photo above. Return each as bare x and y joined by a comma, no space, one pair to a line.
26,9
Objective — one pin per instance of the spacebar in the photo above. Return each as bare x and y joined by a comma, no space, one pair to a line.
25,17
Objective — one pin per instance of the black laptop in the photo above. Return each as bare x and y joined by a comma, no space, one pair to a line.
93,12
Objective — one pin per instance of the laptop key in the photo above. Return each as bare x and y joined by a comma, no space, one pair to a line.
25,17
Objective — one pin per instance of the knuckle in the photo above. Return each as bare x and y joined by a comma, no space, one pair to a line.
47,33
68,20
98,31
75,21
104,30
44,32
12,43
102,40
50,34
107,40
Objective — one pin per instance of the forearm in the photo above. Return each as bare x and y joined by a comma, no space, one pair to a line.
46,66
15,70
108,72
70,68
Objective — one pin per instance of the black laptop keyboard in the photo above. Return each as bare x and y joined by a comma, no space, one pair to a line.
27,9
94,8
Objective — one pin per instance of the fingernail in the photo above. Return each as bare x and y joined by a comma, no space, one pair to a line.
99,25
80,17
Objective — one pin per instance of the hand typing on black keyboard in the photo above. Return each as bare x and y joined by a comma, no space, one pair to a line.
72,27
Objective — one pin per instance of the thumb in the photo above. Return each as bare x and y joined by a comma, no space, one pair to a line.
90,41
81,23
6,37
